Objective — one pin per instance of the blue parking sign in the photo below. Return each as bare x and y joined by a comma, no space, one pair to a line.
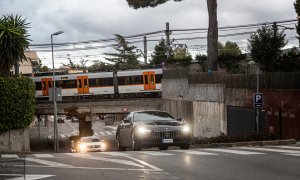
258,100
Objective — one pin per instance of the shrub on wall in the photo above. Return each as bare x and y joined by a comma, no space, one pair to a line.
17,102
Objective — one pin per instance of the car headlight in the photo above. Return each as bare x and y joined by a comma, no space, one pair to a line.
82,147
143,130
186,129
103,145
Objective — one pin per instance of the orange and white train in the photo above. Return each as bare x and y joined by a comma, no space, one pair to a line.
107,84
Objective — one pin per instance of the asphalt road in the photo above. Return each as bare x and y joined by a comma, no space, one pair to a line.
247,163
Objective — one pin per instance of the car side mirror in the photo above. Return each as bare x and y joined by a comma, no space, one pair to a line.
180,119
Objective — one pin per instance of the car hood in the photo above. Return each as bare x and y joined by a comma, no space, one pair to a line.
158,123
91,143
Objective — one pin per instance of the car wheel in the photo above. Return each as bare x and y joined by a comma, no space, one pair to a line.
185,146
162,147
136,146
120,147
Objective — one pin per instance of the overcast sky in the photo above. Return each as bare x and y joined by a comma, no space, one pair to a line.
83,20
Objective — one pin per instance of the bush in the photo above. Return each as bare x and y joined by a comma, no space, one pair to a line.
17,103
223,138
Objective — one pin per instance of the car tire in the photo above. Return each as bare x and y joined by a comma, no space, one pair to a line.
136,146
185,146
162,147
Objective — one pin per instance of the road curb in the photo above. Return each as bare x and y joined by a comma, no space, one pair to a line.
250,143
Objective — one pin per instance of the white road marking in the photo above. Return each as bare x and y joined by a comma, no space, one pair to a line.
47,163
9,156
27,176
144,163
108,132
232,151
102,133
113,127
286,147
43,155
195,152
118,161
271,150
78,154
114,153
114,132
155,153
289,154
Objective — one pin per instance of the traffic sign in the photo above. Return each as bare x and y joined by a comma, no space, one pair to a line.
258,100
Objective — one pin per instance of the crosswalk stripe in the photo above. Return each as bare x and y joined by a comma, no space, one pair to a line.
43,155
155,153
286,147
77,154
289,154
195,152
232,151
9,156
48,163
270,150
109,133
102,133
114,153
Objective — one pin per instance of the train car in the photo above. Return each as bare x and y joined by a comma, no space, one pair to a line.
140,81
130,82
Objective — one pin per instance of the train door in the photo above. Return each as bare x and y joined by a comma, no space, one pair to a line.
46,84
149,80
82,84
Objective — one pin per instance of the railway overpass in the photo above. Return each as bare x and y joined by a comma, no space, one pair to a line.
98,106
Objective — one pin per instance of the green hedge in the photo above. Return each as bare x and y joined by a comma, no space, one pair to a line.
17,102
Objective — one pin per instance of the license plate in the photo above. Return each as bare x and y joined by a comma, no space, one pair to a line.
167,140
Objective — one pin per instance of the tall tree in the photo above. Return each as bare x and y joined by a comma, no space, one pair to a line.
159,55
212,34
182,56
265,47
13,42
229,56
125,58
297,9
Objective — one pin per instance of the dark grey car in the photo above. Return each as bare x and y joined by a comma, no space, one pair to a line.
152,129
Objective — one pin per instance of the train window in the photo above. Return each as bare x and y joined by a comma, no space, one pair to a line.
158,78
38,86
79,85
58,83
146,79
151,79
94,82
106,82
137,80
128,80
44,85
69,84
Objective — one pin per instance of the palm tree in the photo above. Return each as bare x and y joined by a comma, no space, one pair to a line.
13,42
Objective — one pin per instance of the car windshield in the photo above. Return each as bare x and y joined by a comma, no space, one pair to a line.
152,116
88,140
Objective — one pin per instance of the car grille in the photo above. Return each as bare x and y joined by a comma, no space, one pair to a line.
166,134
94,146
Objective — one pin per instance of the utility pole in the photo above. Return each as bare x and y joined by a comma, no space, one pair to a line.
145,50
275,29
168,39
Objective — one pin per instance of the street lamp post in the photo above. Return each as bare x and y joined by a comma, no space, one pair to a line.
257,91
56,145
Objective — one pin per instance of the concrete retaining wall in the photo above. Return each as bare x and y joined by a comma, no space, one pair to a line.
16,140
